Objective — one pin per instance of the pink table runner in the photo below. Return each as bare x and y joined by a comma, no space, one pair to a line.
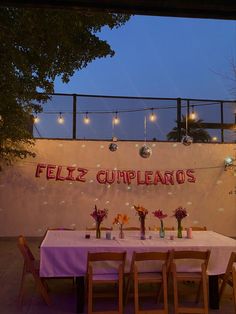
64,253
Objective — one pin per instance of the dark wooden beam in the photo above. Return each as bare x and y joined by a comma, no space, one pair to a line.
224,126
215,9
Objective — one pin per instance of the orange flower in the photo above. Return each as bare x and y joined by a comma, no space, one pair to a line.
142,212
121,219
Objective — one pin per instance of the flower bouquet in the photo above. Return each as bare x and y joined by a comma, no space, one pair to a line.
179,214
142,212
159,214
98,215
120,220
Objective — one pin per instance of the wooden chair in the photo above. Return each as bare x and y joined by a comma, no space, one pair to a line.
227,278
199,276
131,228
31,266
102,228
158,228
93,278
198,228
234,283
154,276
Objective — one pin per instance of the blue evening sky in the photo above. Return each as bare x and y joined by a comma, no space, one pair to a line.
154,57
162,57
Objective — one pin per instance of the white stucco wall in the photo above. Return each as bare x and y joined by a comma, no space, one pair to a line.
29,204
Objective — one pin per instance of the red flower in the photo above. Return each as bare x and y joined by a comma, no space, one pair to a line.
180,213
159,214
99,214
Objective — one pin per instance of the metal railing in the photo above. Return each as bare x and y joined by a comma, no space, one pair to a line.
74,111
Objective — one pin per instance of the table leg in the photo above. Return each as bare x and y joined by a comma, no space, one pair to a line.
213,292
80,287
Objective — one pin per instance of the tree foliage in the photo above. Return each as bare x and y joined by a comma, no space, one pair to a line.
37,45
195,130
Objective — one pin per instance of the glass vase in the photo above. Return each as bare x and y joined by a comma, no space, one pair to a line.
142,228
179,230
162,230
98,230
121,234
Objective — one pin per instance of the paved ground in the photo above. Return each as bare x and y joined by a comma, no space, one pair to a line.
62,291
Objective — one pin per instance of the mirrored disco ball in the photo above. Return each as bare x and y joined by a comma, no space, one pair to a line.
187,140
113,147
145,151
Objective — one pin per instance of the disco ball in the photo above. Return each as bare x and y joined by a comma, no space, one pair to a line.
187,140
145,151
113,147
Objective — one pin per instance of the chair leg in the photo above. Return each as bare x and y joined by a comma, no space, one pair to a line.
120,293
205,290
136,294
90,295
175,288
234,286
43,291
222,288
165,297
127,289
21,291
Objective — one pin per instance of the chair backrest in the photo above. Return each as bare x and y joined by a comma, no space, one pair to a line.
192,255
62,229
198,228
26,253
231,261
131,228
163,257
107,257
102,228
158,228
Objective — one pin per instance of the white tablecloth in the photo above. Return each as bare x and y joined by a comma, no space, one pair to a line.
64,253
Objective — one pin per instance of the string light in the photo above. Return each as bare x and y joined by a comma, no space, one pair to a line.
86,119
193,114
186,139
36,119
152,116
60,119
116,119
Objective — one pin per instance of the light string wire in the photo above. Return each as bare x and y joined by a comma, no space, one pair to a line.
123,110
186,125
145,129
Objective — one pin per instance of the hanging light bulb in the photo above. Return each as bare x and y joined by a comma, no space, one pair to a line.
113,146
116,119
36,119
186,139
86,119
214,138
60,119
193,114
152,116
145,151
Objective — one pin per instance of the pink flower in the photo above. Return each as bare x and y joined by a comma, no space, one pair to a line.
159,214
99,214
180,213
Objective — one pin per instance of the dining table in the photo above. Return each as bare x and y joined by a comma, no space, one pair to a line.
64,253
